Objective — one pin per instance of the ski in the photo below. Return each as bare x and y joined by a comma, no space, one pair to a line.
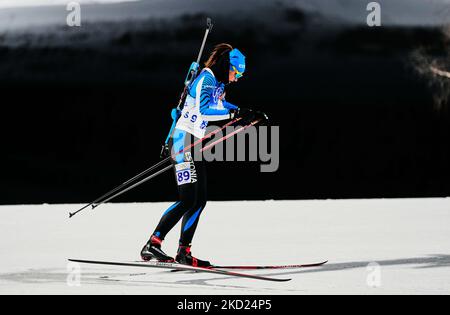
280,267
259,267
271,267
179,267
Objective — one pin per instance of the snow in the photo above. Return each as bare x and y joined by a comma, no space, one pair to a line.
408,238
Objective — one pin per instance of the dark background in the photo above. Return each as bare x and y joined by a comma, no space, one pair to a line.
360,114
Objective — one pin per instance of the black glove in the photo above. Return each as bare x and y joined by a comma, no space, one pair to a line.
245,113
266,120
249,114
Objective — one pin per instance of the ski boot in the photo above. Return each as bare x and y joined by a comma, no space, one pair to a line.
152,251
185,257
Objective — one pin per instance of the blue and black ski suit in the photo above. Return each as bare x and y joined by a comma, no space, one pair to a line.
204,103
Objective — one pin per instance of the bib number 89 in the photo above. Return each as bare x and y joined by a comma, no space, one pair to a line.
184,177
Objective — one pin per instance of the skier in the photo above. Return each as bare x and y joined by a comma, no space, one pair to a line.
204,102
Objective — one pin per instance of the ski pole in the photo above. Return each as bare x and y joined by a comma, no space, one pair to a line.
225,138
241,129
152,168
133,186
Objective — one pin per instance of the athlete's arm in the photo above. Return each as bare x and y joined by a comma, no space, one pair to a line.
229,106
210,109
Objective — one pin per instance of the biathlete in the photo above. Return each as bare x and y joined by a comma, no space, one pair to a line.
205,102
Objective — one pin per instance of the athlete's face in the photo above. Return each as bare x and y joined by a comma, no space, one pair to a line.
232,76
235,75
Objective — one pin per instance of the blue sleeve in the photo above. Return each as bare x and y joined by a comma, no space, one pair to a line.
215,112
229,106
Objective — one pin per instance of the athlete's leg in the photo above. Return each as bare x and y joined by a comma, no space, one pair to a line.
186,178
190,223
187,188
187,200
191,218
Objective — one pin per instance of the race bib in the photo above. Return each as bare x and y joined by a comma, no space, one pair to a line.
183,173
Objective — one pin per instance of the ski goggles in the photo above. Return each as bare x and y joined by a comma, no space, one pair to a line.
238,74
